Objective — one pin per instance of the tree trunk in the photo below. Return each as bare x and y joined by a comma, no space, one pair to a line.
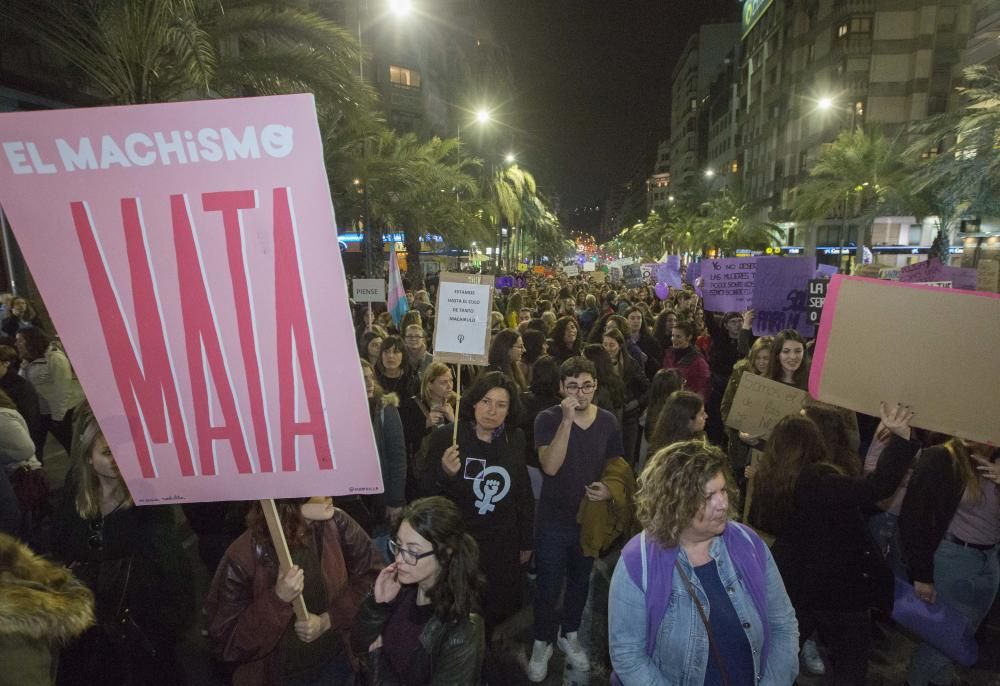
414,272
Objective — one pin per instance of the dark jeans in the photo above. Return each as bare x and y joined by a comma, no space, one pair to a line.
848,636
558,556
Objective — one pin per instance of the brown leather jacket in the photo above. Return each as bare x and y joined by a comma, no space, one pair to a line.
246,618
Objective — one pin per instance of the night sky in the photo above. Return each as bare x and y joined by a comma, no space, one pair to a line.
593,83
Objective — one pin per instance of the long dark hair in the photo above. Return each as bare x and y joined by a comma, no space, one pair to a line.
607,379
456,592
545,377
392,343
534,345
674,422
503,341
794,443
833,427
558,345
664,383
775,372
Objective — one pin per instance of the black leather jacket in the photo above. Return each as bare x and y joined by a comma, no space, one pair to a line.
455,649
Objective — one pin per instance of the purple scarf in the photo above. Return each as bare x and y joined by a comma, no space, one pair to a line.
747,551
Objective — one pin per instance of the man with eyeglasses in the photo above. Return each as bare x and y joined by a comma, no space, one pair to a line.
575,440
416,349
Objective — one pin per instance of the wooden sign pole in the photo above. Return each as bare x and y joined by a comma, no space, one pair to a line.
284,556
458,400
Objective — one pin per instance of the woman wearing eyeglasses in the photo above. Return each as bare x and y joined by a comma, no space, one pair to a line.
418,624
251,622
131,558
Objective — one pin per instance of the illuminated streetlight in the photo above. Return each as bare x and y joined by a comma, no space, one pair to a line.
509,158
482,116
824,104
670,198
709,173
400,8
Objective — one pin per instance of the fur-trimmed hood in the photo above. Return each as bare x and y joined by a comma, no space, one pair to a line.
39,599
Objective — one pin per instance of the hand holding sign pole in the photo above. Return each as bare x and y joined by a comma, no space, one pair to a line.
462,334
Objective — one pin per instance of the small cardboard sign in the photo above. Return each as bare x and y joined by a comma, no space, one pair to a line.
571,270
597,277
816,297
760,403
464,308
875,344
368,290
589,266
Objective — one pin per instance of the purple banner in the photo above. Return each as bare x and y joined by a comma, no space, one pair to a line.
669,272
961,278
780,295
728,283
826,270
693,272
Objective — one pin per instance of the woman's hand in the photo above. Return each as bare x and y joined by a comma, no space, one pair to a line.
925,592
749,439
750,471
386,585
897,420
748,319
449,412
989,470
450,461
598,491
525,557
433,419
376,644
312,627
290,584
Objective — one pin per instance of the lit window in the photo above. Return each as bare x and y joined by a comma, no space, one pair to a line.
735,167
842,30
403,77
859,108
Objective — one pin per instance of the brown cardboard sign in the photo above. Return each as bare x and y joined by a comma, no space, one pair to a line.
933,349
988,276
462,325
760,403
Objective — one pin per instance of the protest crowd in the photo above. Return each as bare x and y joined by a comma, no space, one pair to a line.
586,479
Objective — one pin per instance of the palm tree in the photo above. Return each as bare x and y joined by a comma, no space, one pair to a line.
963,177
732,223
146,51
509,194
398,182
861,172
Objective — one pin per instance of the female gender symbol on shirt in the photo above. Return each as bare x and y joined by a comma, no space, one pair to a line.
489,490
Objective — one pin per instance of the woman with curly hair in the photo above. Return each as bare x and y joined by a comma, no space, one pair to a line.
566,339
690,557
418,625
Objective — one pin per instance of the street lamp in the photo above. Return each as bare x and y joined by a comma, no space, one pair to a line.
482,116
709,173
824,104
400,8
510,158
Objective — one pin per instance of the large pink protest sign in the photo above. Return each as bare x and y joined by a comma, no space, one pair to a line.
188,255
926,347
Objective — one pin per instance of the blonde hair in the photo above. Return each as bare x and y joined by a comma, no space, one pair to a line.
86,431
972,488
672,487
434,371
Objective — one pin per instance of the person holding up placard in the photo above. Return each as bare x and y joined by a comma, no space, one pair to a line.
249,605
485,474
756,362
131,558
950,527
814,506
419,625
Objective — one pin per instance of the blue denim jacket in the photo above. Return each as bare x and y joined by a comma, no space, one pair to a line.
682,650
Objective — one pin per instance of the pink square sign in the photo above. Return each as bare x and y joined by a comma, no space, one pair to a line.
188,255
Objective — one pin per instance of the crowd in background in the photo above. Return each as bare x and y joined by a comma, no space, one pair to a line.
597,432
